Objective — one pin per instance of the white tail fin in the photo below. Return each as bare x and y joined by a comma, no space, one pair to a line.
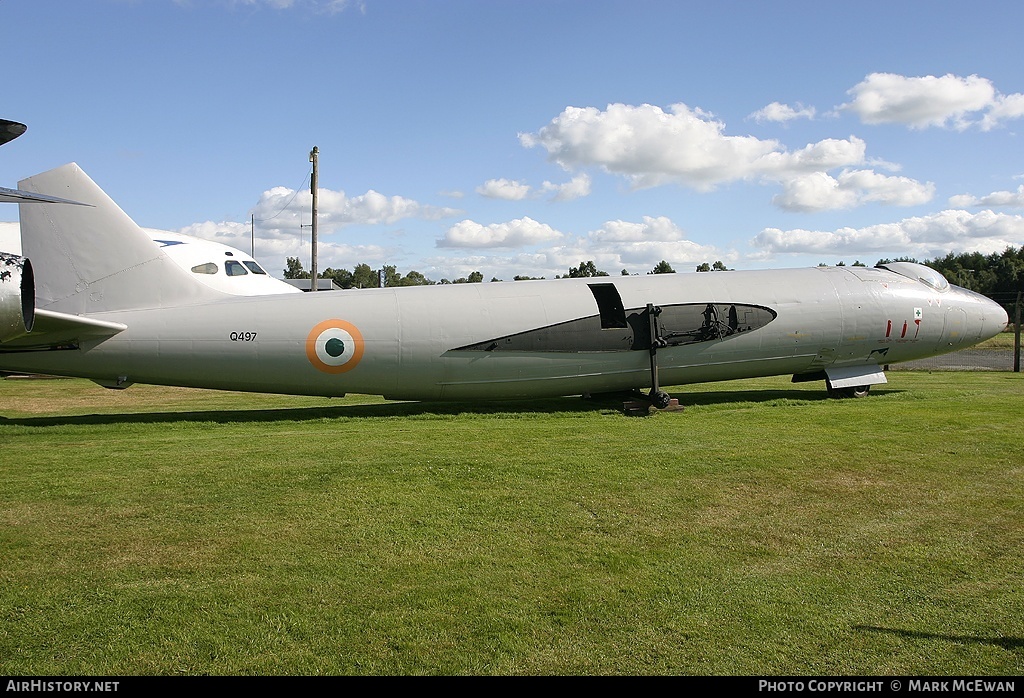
94,258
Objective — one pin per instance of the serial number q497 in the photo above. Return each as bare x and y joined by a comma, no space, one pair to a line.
242,336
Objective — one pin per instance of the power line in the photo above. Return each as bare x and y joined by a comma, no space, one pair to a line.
288,203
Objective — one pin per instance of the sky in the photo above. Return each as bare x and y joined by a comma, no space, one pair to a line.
523,137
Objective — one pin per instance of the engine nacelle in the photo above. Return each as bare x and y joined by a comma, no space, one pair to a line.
17,297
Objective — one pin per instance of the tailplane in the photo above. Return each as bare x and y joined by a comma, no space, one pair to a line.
94,258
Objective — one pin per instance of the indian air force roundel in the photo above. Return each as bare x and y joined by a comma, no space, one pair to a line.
334,346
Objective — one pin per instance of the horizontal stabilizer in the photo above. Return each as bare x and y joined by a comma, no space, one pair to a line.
53,330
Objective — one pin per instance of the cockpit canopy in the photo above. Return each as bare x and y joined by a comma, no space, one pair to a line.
918,272
232,267
218,266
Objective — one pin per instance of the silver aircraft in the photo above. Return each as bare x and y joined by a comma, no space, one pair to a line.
94,297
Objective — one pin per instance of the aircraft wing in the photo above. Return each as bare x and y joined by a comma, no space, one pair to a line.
53,330
9,130
19,196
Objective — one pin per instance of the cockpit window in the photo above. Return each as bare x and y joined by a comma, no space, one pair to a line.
208,268
919,272
254,267
234,268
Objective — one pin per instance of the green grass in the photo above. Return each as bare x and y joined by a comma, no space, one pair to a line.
764,530
1003,340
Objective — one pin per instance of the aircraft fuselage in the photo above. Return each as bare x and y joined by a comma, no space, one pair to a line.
532,338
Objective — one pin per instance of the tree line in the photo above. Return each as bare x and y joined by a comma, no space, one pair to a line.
998,275
364,276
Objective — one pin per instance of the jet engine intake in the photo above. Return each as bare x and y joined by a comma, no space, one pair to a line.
17,297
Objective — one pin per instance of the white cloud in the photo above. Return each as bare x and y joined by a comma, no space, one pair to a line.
816,157
660,229
925,237
320,6
920,102
509,190
576,188
650,147
782,113
280,211
819,191
1012,199
617,245
1004,108
517,233
278,246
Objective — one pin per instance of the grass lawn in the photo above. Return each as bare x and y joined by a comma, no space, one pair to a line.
763,530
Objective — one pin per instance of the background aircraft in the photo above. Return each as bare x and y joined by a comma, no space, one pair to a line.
100,300
218,266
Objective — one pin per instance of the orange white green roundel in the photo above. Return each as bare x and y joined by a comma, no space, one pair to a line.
334,346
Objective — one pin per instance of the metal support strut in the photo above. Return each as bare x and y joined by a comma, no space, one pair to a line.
658,397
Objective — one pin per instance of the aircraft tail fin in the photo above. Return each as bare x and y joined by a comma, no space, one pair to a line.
94,258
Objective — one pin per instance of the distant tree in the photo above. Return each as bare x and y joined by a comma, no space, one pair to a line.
663,267
519,277
841,263
474,278
717,266
294,269
584,270
859,263
415,278
391,276
364,277
495,279
342,277
624,273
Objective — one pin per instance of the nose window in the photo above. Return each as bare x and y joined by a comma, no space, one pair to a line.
208,268
233,268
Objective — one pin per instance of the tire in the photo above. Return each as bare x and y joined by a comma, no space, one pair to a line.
856,391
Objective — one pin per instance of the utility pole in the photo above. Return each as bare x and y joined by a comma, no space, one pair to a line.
1016,334
313,158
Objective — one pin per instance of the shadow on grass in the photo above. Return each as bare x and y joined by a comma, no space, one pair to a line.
1012,644
595,404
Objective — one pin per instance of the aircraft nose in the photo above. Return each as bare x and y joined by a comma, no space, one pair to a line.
993,317
997,320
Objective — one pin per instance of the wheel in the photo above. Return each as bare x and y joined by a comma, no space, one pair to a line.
660,399
856,391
